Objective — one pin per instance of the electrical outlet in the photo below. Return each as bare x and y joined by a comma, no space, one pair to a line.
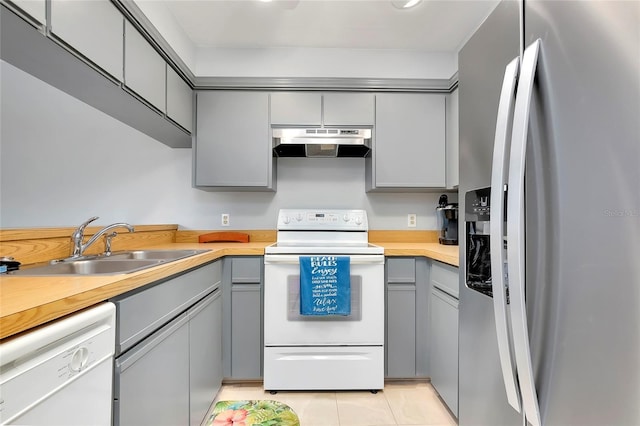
225,219
412,220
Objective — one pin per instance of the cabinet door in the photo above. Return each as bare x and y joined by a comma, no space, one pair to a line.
401,330
35,8
444,347
144,68
409,143
348,109
152,380
246,332
179,100
445,277
296,108
233,145
205,355
246,317
93,28
452,140
400,342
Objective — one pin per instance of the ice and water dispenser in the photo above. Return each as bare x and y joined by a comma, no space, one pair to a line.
478,254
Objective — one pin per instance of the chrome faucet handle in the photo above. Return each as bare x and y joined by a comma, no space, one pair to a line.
78,236
107,243
87,222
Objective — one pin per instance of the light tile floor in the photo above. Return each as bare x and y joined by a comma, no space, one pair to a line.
400,403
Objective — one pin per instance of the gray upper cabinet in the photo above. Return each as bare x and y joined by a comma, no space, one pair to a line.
233,144
452,140
409,143
94,29
144,68
349,109
179,100
315,109
35,8
296,108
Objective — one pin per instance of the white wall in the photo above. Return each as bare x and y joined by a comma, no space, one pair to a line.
325,62
62,161
298,62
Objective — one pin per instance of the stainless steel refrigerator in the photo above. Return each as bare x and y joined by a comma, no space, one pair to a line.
549,98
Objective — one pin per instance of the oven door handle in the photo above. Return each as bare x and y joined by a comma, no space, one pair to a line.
294,259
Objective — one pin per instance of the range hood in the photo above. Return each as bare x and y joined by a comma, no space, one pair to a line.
321,142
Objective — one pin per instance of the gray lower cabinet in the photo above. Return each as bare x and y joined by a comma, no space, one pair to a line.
205,355
409,143
443,324
168,363
100,40
407,305
233,143
243,317
152,381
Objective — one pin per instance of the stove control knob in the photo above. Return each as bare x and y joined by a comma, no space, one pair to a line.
299,217
286,219
346,218
358,220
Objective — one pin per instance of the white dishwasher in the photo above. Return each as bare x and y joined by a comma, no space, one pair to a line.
61,373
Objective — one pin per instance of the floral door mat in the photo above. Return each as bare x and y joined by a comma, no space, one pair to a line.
252,413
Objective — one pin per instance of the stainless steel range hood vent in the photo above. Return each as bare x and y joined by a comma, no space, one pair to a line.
321,142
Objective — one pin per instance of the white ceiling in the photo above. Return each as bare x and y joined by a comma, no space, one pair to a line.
432,26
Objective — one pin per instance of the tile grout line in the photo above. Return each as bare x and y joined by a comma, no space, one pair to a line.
395,419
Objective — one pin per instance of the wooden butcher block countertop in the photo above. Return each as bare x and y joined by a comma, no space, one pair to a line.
446,254
27,302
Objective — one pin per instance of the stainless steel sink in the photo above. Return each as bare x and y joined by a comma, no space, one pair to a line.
117,263
167,255
90,267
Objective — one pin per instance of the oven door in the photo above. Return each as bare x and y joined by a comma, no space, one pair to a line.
284,326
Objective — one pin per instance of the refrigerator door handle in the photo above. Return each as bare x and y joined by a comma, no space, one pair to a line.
516,234
498,179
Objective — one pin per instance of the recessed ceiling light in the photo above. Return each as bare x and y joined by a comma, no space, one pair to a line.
405,4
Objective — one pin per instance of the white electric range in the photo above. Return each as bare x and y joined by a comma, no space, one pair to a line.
323,352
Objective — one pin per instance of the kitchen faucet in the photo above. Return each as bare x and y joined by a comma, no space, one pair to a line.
78,236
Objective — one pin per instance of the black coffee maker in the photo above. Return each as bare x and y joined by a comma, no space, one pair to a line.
447,214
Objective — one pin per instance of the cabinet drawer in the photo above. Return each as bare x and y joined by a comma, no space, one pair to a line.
139,314
401,270
445,278
246,270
